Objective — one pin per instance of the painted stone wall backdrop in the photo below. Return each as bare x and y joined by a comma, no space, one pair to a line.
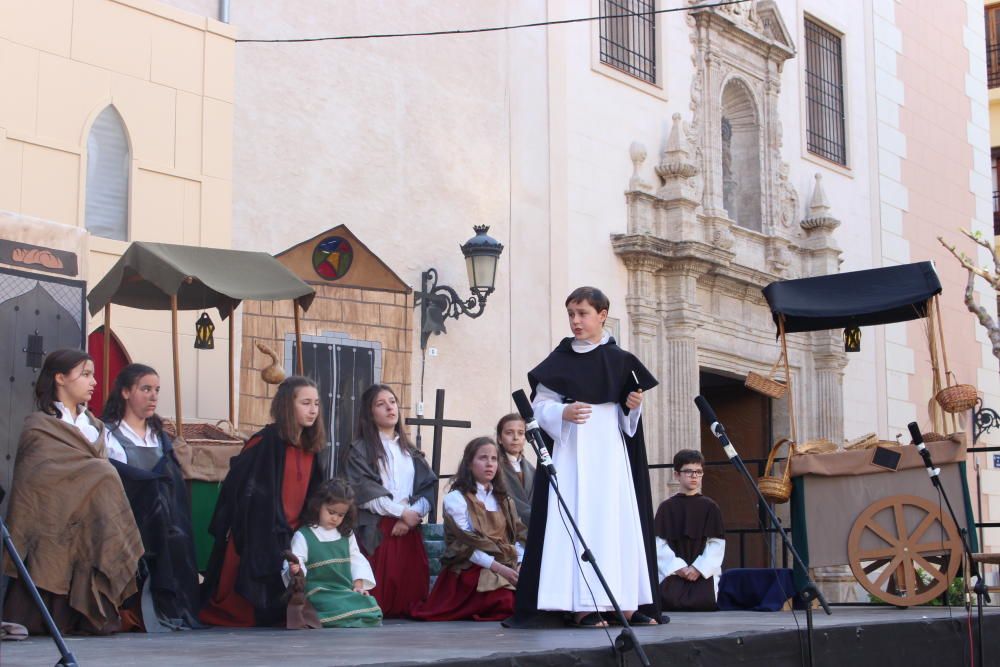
365,315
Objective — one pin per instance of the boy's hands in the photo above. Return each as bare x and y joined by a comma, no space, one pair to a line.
689,573
633,400
508,573
359,587
410,518
576,413
400,528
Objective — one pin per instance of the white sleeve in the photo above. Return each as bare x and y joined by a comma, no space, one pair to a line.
548,407
520,551
454,505
114,448
360,567
300,548
667,562
421,507
629,422
709,563
385,506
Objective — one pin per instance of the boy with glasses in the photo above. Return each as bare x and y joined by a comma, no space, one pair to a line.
690,540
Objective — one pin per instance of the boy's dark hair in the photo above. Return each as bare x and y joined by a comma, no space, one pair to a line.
56,362
595,297
331,492
114,405
366,429
685,456
465,482
312,438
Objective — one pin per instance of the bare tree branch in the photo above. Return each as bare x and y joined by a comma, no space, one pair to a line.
964,260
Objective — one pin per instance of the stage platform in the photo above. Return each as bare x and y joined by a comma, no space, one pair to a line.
853,636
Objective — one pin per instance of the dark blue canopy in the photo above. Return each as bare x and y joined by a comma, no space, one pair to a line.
855,298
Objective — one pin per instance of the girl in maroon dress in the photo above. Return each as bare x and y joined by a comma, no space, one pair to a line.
394,488
259,510
484,543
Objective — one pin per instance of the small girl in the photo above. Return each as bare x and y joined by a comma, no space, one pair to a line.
394,488
484,543
518,474
338,577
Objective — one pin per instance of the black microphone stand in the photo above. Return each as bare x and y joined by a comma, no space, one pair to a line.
626,641
67,660
810,591
980,587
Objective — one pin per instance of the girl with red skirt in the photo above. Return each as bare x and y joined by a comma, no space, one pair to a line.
394,488
484,541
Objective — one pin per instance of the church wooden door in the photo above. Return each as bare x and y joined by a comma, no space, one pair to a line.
38,314
747,418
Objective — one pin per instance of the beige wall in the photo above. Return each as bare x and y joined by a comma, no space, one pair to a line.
170,75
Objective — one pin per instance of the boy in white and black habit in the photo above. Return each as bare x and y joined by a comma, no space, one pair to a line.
690,540
587,396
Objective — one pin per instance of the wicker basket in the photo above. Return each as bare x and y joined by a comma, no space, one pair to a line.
777,489
204,434
866,441
766,384
957,397
818,446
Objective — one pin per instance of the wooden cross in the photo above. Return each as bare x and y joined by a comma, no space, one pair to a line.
439,423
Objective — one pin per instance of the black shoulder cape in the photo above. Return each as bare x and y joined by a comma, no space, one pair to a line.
603,375
686,523
162,512
249,512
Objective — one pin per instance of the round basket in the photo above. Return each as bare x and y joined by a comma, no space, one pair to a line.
777,489
957,398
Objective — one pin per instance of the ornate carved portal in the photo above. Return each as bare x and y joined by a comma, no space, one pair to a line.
723,223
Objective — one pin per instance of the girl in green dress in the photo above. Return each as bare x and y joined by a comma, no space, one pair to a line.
337,575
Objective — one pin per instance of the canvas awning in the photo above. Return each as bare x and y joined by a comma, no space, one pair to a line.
854,298
148,274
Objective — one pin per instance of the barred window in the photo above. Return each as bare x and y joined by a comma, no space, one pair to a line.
993,46
825,130
628,37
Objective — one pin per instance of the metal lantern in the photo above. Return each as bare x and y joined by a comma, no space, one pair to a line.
852,339
203,328
481,255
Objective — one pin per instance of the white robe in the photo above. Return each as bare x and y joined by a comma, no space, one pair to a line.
595,479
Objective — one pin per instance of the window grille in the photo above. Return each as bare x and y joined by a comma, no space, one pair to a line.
825,129
628,37
108,163
993,46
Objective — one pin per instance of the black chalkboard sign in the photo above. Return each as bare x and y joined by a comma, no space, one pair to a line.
886,457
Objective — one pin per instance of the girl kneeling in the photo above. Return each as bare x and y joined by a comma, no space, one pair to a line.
337,576
484,541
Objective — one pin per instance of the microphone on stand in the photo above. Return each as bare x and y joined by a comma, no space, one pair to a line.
718,430
533,431
918,440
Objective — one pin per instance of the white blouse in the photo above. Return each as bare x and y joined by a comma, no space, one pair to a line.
397,473
458,509
360,567
116,450
82,422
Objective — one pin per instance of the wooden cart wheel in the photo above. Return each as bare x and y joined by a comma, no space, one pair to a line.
890,572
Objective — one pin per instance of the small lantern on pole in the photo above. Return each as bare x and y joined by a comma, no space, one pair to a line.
203,328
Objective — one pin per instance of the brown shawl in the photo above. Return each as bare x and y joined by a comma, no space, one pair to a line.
70,520
459,544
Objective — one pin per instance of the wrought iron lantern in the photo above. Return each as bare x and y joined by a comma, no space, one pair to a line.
203,328
439,302
852,339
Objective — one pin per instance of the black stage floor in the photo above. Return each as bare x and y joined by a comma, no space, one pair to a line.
852,637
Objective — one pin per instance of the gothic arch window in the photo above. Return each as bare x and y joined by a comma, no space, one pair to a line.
741,155
108,165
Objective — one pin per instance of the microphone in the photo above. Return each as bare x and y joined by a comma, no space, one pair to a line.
918,440
533,431
718,430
